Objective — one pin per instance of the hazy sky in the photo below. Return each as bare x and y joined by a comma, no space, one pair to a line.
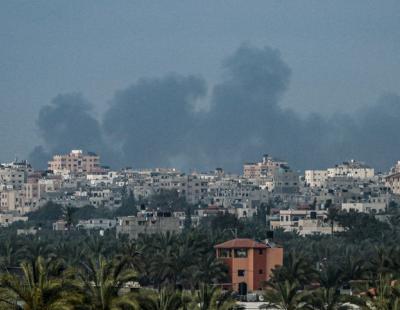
342,54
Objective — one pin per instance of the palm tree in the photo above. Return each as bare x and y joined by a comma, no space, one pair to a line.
68,216
285,296
96,246
381,262
10,252
385,296
165,299
37,289
130,251
35,247
331,299
101,282
330,276
210,270
211,298
351,265
70,251
297,268
332,215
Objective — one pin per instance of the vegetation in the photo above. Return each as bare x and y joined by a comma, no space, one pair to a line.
77,270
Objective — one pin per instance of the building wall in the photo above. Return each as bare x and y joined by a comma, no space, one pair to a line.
12,176
241,264
393,182
263,259
134,226
274,257
75,162
315,178
365,207
11,200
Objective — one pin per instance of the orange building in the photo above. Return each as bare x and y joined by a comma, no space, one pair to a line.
249,262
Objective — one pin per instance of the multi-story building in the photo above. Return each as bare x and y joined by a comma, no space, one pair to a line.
263,168
242,210
283,181
196,189
249,262
315,178
105,197
11,200
15,174
148,223
75,162
31,190
396,168
353,169
393,182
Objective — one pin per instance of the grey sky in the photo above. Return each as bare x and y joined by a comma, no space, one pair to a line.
343,54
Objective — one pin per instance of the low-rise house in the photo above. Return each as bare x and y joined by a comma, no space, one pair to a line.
97,224
28,231
305,222
242,210
7,219
60,225
211,210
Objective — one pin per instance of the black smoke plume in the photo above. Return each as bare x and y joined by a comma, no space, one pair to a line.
176,121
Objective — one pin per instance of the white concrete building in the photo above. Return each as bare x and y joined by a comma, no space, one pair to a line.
305,222
364,207
393,182
97,224
353,169
7,219
315,178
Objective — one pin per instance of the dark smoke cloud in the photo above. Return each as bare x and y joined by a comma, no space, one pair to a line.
67,123
377,135
157,122
151,121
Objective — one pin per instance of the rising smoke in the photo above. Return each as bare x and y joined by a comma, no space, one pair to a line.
176,121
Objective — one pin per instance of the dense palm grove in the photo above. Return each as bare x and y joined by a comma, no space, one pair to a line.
81,270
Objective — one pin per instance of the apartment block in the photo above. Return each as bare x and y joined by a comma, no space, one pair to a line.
147,223
75,162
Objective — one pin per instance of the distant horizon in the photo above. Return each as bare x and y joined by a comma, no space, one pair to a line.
194,169
201,84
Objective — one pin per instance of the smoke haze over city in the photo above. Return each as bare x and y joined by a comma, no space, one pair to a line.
207,101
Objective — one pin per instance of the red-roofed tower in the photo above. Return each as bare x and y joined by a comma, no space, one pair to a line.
249,262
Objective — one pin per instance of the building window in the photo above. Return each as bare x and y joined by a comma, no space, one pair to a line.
240,253
260,271
260,251
224,253
240,273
